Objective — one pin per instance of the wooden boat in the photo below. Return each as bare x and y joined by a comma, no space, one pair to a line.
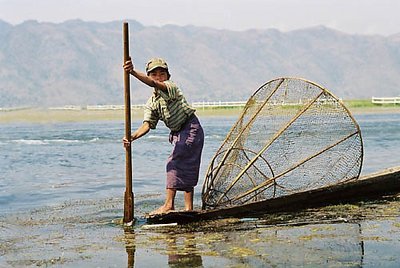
369,187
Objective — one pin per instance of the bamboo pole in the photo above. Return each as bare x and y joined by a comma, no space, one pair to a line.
128,198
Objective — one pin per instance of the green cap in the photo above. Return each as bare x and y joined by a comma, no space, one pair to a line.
156,63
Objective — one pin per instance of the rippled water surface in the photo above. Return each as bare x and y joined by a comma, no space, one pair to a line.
61,188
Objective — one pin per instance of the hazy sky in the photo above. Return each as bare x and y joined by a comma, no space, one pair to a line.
350,16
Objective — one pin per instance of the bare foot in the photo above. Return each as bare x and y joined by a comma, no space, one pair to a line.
161,210
188,210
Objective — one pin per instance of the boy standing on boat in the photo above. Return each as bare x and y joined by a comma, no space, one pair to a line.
168,104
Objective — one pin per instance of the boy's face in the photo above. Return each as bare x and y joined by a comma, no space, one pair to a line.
159,74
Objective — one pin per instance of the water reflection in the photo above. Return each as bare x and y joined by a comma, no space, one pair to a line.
354,235
361,245
180,248
182,251
130,245
249,245
90,234
334,244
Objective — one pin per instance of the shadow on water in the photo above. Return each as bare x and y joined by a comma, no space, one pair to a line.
90,234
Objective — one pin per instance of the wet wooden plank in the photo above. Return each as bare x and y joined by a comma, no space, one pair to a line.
174,216
369,187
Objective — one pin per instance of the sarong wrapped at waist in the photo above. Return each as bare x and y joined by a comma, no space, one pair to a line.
183,164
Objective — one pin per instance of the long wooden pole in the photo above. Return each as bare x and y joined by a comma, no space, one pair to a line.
128,198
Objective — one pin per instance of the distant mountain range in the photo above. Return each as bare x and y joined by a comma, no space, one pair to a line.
80,63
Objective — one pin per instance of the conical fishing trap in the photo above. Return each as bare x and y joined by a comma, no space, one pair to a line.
292,136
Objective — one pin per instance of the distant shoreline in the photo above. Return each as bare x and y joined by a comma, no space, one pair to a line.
42,115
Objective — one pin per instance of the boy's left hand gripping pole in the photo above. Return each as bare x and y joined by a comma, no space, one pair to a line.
128,198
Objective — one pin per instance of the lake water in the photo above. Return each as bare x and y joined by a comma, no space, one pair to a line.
61,189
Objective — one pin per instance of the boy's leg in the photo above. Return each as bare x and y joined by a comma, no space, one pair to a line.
170,199
188,196
169,203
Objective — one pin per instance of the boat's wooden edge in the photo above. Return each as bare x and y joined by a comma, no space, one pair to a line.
371,186
174,216
389,171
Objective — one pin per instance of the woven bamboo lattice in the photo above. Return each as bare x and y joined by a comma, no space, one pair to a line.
293,135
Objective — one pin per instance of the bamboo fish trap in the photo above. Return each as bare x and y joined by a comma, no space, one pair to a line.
292,136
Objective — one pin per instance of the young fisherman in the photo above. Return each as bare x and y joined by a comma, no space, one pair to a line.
168,104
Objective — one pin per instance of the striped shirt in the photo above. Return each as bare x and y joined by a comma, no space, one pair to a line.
168,106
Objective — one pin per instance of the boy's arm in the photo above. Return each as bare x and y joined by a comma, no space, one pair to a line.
128,66
141,131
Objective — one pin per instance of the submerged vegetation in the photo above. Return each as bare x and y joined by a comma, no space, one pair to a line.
88,233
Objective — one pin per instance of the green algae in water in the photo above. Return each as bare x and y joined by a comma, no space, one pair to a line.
88,233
